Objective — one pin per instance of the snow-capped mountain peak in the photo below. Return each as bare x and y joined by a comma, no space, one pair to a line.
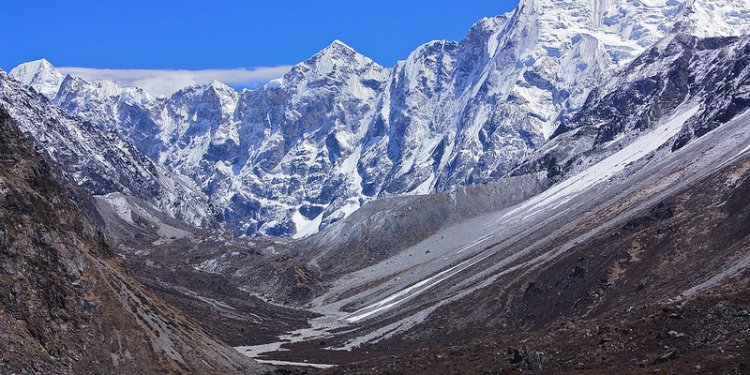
100,161
336,50
41,75
339,45
624,28
337,60
218,85
339,130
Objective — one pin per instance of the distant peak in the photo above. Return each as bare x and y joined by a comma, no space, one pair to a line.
214,87
41,62
338,42
39,74
36,66
219,85
338,47
69,80
337,51
336,61
45,62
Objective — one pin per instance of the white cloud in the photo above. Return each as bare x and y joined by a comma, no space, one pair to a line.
166,82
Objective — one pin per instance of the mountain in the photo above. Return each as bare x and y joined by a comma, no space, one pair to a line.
584,258
606,228
338,131
297,140
707,77
633,257
101,162
465,113
40,75
69,307
252,153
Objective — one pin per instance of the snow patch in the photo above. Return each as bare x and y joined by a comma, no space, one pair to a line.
610,166
305,227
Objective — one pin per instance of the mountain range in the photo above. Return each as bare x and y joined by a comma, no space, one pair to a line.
339,130
566,189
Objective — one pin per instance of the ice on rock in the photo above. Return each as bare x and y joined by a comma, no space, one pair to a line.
339,130
715,18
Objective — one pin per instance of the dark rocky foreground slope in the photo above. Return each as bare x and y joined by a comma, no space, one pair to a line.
68,306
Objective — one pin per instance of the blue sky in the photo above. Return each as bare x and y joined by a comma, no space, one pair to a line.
199,34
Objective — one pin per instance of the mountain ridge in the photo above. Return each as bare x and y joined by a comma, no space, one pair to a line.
339,130
99,160
585,166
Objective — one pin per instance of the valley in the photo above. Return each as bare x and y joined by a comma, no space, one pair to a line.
565,190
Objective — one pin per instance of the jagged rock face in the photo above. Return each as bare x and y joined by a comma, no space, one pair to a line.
101,103
464,113
418,123
299,136
338,130
68,306
679,73
101,162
